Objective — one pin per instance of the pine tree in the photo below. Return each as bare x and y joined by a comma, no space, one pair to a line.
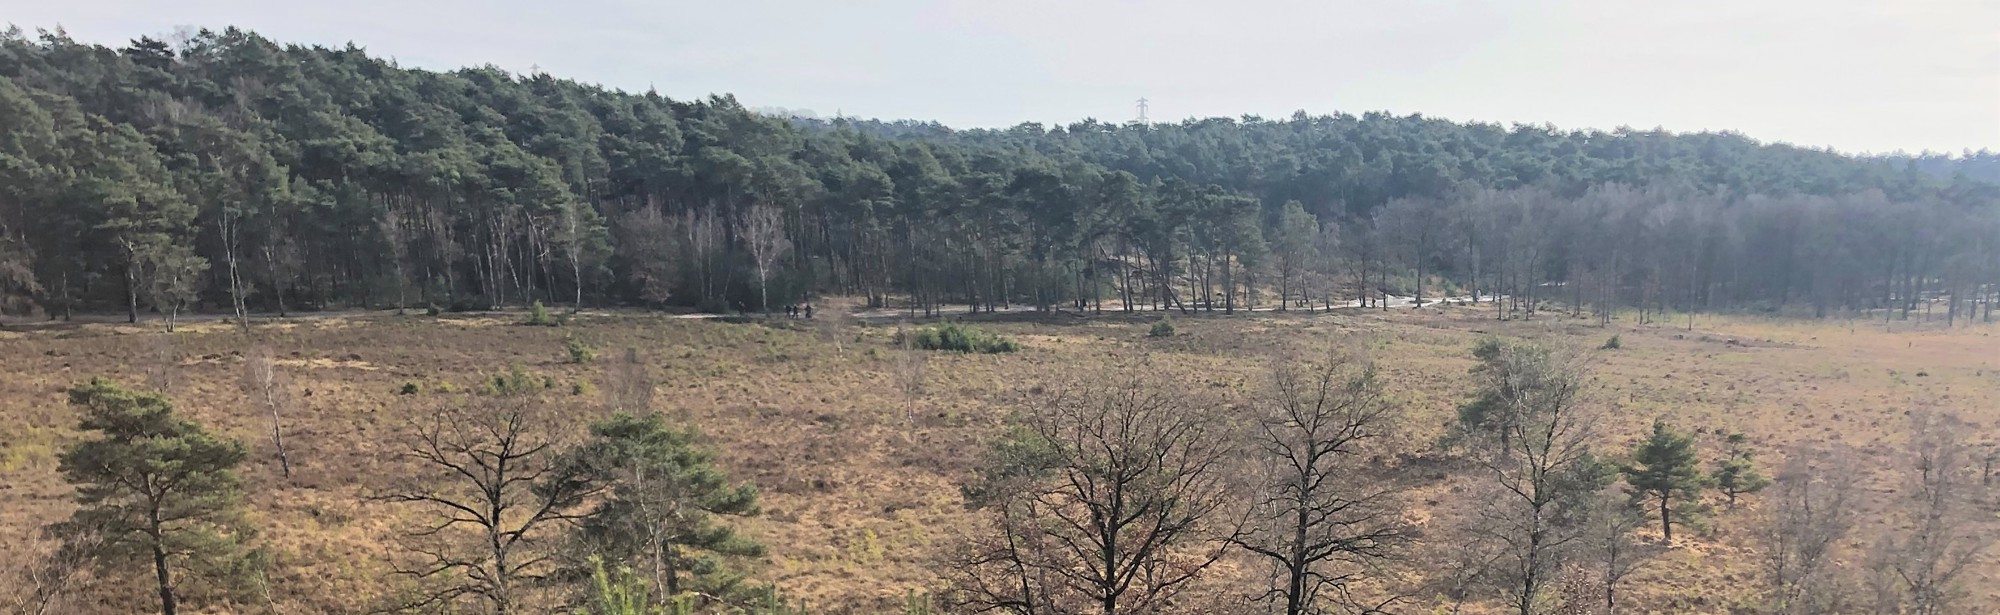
1738,474
661,515
618,592
158,487
1664,476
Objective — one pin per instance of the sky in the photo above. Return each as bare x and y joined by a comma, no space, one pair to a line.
1859,76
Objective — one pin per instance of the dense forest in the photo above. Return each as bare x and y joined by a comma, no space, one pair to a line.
225,171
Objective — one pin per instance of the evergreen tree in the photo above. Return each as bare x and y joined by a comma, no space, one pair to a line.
325,177
618,591
158,487
665,497
1663,476
1737,474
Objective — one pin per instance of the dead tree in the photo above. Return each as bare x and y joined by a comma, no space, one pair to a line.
1108,498
266,387
1812,508
1318,518
1926,560
496,486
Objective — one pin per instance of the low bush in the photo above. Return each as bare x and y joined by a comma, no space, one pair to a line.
1612,344
960,338
514,381
409,388
539,316
1163,328
579,352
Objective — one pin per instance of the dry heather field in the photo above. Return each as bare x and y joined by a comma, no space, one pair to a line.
859,503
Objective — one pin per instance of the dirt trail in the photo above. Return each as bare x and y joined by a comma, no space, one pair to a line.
10,323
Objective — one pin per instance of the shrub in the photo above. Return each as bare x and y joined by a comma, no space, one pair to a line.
538,316
1163,328
409,388
581,387
1612,344
579,352
514,381
960,338
445,387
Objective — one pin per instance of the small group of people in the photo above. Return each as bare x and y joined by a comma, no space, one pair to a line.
793,310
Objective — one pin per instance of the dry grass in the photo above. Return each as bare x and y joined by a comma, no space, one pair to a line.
858,502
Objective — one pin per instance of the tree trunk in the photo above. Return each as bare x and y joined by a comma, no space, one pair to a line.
131,290
1228,286
1666,521
160,573
277,426
235,279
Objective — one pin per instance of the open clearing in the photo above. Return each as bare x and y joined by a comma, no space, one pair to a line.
858,501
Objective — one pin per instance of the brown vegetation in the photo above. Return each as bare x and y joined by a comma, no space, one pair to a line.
860,488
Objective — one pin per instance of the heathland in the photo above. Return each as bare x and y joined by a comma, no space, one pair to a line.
861,475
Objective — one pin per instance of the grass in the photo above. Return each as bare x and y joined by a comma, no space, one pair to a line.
859,504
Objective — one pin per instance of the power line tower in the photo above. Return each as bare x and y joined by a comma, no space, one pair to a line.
1142,110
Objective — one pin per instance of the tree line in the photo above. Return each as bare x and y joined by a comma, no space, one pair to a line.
224,171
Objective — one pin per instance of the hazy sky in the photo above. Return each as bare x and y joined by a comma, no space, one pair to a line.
1857,75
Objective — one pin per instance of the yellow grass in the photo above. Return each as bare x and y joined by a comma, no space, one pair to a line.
859,502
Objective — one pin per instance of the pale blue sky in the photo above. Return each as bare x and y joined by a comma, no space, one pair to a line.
1856,75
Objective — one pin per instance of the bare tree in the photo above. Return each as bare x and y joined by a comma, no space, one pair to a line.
1812,509
1318,517
1411,229
163,369
1324,270
1533,442
705,230
1940,538
580,234
266,387
628,384
763,229
54,568
833,321
396,235
1610,547
1459,568
495,486
229,225
1106,499
282,264
911,370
